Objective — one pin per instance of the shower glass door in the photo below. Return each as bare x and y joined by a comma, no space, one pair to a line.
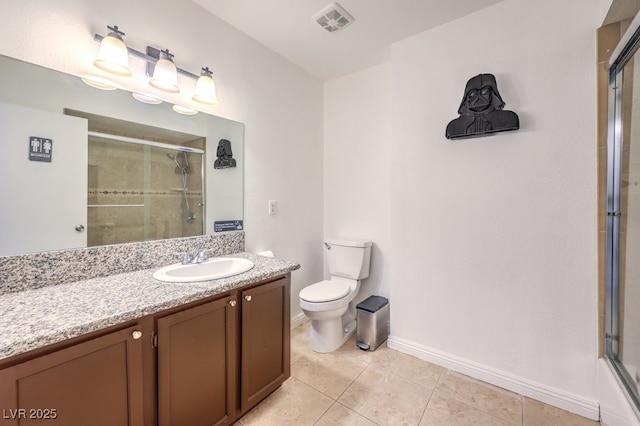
623,222
140,191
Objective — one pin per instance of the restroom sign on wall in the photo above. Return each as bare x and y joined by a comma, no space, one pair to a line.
40,149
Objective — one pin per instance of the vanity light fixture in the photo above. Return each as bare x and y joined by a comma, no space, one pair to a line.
184,110
160,67
205,88
146,98
113,56
99,82
165,73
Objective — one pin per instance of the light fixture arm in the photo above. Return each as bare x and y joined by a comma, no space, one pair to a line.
166,54
151,57
115,31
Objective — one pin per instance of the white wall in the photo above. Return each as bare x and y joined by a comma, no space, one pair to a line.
494,260
280,105
491,253
357,172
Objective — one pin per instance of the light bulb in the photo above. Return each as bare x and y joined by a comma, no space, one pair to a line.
165,74
113,56
99,82
184,110
146,98
205,89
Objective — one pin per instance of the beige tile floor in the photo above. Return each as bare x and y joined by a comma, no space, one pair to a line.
387,387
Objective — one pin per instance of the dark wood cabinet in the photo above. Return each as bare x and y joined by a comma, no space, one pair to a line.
265,342
197,372
205,363
97,382
219,359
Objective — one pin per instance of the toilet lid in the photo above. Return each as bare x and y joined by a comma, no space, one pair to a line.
325,291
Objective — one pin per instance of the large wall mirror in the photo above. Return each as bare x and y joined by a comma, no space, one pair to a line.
85,167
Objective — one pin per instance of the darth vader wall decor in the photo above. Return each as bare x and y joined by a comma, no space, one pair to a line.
225,155
481,110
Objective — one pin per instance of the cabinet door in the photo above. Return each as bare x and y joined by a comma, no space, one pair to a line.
265,340
197,366
98,382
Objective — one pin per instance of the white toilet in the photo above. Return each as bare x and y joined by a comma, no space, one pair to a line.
329,304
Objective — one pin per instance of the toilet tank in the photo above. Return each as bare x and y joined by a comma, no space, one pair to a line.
348,258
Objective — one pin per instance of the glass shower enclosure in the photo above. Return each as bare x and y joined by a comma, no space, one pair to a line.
141,190
622,313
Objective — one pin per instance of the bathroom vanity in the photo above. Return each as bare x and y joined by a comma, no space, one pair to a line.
128,349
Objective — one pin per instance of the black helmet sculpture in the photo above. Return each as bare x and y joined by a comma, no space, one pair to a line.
481,110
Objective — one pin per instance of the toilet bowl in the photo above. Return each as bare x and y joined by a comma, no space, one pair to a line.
329,303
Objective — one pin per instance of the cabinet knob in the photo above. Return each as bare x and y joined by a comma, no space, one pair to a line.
136,334
247,298
232,302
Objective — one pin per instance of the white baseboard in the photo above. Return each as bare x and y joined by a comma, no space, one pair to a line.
298,320
558,398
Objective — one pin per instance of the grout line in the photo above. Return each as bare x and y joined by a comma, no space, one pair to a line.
351,384
369,362
428,402
325,411
519,397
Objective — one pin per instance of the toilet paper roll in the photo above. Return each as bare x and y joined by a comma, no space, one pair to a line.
266,253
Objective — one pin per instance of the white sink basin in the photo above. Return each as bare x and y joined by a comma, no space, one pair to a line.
212,269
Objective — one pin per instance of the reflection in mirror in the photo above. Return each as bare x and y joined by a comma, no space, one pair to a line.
141,189
142,192
119,170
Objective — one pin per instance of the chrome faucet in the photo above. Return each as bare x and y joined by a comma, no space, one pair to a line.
199,257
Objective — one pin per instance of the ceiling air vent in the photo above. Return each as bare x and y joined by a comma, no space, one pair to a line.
333,18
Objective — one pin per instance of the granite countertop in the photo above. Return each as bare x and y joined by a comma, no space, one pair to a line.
33,319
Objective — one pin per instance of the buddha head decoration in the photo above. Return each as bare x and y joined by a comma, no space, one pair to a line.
225,155
481,110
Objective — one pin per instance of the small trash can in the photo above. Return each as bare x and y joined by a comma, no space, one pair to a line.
372,318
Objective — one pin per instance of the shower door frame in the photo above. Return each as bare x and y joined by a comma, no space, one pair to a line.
615,143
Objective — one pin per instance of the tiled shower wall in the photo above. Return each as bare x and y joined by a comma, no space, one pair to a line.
135,193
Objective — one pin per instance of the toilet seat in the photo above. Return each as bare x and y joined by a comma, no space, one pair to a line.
325,291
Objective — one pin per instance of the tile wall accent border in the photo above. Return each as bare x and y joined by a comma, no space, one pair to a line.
36,270
177,192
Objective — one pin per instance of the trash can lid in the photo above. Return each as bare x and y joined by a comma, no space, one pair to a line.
372,303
